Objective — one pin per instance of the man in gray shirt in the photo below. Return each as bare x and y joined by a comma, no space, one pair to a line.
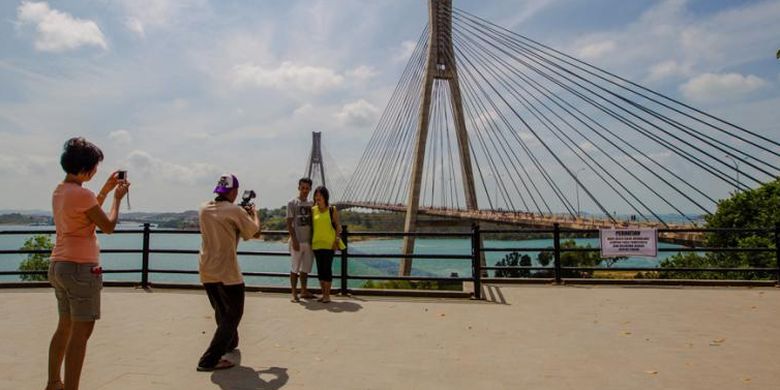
299,227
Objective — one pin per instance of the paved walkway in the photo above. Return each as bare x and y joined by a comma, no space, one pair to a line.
527,337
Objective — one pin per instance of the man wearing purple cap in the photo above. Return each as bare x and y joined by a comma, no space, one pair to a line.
221,224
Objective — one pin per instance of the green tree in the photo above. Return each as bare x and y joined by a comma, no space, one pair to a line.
36,261
544,258
513,260
758,208
578,259
575,259
413,285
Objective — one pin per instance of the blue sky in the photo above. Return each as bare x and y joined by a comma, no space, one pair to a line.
179,91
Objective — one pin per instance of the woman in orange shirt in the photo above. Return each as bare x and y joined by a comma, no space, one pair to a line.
75,271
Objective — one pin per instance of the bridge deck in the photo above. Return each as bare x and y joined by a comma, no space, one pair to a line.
536,221
539,337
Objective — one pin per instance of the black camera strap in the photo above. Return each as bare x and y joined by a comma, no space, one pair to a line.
332,222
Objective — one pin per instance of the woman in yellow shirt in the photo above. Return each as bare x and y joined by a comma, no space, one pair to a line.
324,243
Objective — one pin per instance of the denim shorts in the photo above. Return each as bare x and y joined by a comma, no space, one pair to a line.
77,288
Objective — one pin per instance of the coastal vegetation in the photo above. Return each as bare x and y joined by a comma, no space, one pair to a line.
413,285
757,208
582,256
36,261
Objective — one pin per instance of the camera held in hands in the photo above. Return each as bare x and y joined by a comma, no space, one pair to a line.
122,175
246,199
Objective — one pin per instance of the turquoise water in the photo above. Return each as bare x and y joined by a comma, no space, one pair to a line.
373,267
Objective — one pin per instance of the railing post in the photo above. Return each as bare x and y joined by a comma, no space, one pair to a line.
777,253
344,258
476,265
557,252
145,257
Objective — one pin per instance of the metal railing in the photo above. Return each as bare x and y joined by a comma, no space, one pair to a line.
559,271
479,272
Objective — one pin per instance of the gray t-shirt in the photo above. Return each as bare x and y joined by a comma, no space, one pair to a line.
300,212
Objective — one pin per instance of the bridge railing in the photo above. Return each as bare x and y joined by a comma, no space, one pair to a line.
555,273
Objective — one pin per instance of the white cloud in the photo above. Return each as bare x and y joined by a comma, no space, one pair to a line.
136,26
670,40
528,10
717,87
587,146
666,69
304,110
120,137
359,113
404,53
287,75
527,136
362,73
145,14
596,50
154,168
27,165
59,31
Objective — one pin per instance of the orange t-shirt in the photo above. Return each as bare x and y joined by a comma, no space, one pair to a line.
76,238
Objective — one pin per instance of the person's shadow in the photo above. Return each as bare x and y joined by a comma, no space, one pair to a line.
332,306
246,378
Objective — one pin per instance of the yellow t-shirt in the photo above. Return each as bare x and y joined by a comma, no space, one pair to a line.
221,224
324,235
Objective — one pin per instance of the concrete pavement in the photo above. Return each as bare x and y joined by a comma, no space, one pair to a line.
524,337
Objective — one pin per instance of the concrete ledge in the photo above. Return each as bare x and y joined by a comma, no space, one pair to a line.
467,292
675,282
519,280
14,285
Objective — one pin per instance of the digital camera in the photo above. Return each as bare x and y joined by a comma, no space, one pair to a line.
246,198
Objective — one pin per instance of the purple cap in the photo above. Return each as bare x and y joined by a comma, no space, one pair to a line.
226,183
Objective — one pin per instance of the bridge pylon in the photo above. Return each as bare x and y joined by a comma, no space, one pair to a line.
440,65
315,164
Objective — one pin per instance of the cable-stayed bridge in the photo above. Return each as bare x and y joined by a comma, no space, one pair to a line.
489,125
316,164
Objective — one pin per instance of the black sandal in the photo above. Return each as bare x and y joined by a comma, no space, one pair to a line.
221,365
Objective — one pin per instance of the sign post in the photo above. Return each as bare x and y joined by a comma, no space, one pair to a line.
629,242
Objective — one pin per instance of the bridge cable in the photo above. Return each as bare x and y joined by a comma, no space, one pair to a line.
557,132
554,99
710,168
548,49
600,106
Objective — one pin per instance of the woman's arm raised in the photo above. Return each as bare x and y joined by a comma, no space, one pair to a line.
107,223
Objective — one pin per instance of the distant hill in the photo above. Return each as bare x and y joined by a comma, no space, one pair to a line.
22,219
183,220
36,212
